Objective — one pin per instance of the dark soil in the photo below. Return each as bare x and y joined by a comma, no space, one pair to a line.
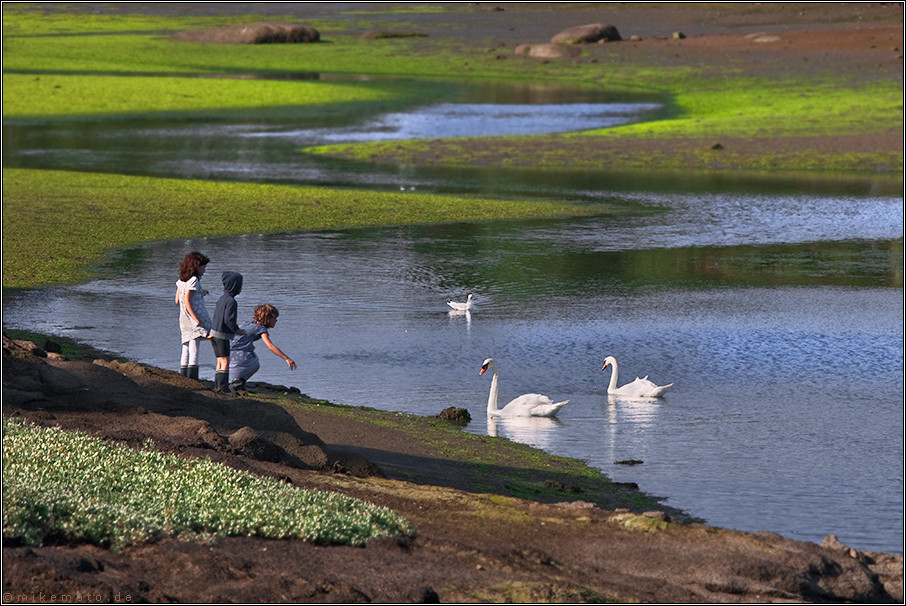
255,33
574,543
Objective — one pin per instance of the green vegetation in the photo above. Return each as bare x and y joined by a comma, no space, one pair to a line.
112,98
576,152
63,64
758,107
69,349
641,523
58,224
140,48
722,110
85,489
494,465
707,100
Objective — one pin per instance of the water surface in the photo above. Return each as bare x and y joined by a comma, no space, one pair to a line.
785,354
774,305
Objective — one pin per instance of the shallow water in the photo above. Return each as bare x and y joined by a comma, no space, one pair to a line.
267,149
466,119
778,316
786,355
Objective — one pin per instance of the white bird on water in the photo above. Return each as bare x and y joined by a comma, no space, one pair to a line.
461,306
640,388
526,405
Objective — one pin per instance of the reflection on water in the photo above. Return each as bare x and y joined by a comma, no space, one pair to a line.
627,419
538,431
465,315
469,120
701,220
779,317
787,359
622,410
265,146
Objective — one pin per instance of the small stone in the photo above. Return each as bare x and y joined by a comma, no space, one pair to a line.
459,416
628,462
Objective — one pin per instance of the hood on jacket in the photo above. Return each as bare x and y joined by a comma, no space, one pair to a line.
232,282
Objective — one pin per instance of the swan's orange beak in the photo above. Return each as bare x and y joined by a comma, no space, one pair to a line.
605,366
483,368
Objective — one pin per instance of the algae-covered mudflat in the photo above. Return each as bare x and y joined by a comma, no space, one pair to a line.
817,112
57,224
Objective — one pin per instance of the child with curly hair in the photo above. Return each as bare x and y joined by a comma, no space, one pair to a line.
194,321
243,359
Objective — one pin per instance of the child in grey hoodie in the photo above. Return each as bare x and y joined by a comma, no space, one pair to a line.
224,327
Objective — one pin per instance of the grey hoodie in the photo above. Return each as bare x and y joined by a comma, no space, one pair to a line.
224,323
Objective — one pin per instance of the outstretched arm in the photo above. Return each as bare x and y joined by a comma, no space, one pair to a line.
276,350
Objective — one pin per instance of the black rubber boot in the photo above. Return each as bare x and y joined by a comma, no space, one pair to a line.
192,372
184,371
237,385
222,381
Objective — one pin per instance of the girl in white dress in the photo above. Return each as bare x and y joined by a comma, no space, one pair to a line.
194,321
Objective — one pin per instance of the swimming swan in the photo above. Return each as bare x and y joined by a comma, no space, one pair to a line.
461,306
640,388
526,405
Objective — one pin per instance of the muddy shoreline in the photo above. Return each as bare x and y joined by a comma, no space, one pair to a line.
576,541
572,541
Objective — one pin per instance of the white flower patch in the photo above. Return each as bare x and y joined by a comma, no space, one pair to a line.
67,486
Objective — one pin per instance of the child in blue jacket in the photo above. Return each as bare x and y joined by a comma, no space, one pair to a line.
224,327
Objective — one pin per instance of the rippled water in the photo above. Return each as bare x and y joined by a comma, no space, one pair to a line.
264,148
466,119
786,355
777,315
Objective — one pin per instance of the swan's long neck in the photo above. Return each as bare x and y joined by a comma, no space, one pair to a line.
613,376
492,396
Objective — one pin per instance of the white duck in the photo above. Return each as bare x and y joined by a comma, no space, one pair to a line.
461,306
640,388
526,405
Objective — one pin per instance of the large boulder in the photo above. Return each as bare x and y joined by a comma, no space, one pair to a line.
546,51
254,33
587,34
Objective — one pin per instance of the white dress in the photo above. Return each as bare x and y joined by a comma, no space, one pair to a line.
187,325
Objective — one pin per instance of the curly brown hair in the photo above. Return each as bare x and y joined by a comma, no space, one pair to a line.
265,312
190,265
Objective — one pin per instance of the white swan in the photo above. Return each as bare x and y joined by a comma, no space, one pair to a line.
526,405
640,388
461,306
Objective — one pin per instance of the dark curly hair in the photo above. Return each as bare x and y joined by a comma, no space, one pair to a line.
190,265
